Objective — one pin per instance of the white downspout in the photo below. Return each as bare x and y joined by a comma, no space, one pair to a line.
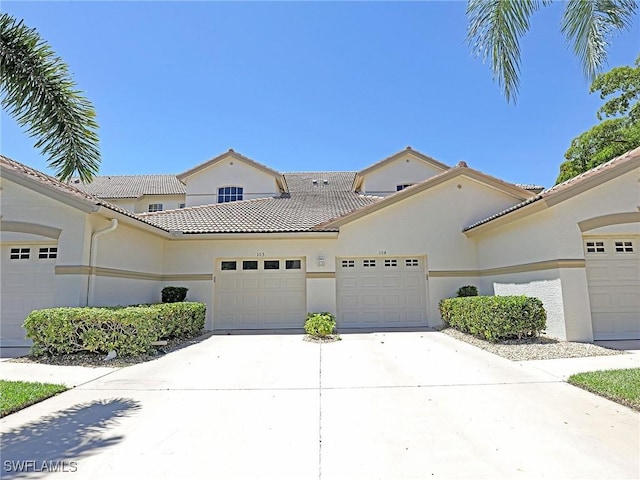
92,254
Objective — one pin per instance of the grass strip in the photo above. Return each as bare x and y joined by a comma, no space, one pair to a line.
622,386
15,396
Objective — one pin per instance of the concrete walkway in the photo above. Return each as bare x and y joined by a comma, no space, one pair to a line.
380,405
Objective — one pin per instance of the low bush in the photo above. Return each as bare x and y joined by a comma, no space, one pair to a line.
174,294
467,291
181,319
127,330
320,324
495,318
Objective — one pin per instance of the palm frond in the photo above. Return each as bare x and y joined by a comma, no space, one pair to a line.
39,93
495,29
589,25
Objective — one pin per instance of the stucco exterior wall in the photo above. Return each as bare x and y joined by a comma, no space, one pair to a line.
553,235
406,169
21,204
198,257
202,187
128,263
429,223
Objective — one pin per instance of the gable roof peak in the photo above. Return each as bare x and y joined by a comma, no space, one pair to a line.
462,164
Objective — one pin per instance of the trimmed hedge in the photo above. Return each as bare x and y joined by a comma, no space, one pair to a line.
495,318
320,324
127,330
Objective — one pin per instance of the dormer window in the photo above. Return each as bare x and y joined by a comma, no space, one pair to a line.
229,194
402,186
155,207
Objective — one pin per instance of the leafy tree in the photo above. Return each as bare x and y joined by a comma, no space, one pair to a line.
496,26
618,133
39,93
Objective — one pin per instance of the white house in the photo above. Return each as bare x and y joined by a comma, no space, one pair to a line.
380,247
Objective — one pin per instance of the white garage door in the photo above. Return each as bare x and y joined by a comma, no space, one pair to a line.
28,283
381,291
613,274
260,293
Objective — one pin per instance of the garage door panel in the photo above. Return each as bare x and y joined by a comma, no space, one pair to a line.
613,276
391,300
348,301
392,282
249,282
394,318
270,296
370,281
627,273
370,300
392,292
27,284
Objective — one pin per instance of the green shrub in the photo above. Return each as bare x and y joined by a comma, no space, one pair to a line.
174,294
320,324
127,330
495,318
181,319
467,291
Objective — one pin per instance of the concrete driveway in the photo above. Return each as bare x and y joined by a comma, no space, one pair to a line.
379,405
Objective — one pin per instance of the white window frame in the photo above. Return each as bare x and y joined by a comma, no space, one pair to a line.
226,194
155,207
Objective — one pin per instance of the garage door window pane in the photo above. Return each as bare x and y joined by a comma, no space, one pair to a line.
228,265
272,264
368,263
250,265
20,253
391,262
624,246
293,265
48,252
595,247
348,263
411,262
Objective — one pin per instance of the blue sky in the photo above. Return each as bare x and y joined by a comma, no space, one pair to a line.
304,86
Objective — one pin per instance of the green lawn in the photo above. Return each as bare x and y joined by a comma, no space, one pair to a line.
622,386
15,396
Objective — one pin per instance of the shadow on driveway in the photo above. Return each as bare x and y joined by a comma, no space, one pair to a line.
59,440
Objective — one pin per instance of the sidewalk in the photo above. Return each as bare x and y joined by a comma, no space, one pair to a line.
38,372
563,368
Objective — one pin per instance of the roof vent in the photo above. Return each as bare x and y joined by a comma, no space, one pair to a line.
325,181
314,181
462,163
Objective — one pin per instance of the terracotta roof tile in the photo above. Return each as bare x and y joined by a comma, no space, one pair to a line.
132,186
613,163
306,206
64,188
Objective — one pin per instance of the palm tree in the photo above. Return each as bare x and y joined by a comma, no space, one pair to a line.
495,28
39,93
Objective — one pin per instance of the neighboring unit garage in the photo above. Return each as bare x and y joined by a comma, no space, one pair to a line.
28,283
381,291
613,275
260,293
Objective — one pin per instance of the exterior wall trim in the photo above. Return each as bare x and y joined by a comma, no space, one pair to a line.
522,268
33,228
321,274
130,274
606,220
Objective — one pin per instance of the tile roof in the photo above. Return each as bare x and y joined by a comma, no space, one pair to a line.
132,186
306,206
566,185
56,185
